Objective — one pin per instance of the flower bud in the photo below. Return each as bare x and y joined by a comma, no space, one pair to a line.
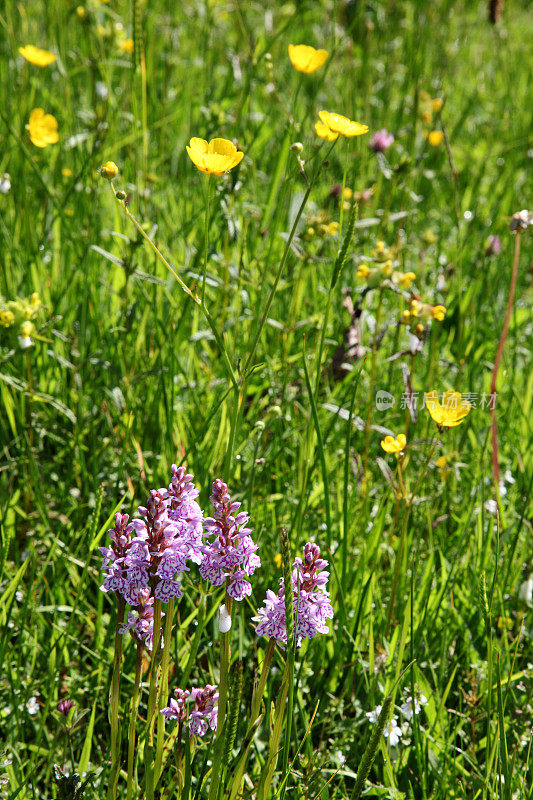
109,170
224,619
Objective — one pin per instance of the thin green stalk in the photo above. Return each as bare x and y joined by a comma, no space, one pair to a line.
499,354
194,297
282,262
488,633
206,236
225,657
397,567
238,396
371,392
346,493
167,637
371,749
272,757
260,688
257,697
114,721
341,215
291,641
131,786
403,532
149,765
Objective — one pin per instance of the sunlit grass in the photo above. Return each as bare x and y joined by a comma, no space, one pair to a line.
282,368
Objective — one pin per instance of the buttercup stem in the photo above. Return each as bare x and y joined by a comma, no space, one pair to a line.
206,235
282,262
399,555
341,215
194,297
113,704
132,749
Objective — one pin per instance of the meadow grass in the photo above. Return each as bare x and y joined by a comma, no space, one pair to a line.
126,377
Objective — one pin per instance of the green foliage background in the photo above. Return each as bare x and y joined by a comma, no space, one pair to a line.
125,378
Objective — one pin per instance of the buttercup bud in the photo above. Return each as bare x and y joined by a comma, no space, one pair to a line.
109,170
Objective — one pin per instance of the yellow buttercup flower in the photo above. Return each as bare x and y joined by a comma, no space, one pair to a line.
394,445
324,132
341,125
277,560
452,411
435,138
437,104
438,312
41,58
305,58
42,128
363,271
215,157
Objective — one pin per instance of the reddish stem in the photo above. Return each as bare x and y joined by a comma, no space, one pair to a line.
499,353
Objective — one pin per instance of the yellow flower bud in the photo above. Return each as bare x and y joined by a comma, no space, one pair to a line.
109,170
415,307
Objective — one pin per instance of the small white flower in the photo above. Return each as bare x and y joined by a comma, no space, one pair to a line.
502,489
33,706
393,732
407,707
414,343
24,342
224,619
373,715
408,710
491,506
508,477
101,90
525,592
5,183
